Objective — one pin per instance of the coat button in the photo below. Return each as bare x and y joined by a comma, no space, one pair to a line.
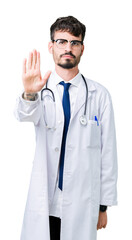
56,149
59,122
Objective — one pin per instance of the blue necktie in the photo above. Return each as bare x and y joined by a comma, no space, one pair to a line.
66,109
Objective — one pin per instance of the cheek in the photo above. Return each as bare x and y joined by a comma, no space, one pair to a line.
79,54
54,54
57,55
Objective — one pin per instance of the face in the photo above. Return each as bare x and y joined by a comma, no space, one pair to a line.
69,56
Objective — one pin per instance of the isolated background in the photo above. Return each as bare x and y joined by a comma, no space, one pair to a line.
24,25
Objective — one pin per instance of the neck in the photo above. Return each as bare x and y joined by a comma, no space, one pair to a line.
66,74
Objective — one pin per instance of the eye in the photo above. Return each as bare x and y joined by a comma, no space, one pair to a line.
75,43
61,41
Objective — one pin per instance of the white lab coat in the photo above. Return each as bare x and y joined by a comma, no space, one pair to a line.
90,168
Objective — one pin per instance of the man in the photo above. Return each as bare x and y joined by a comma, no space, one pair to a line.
75,154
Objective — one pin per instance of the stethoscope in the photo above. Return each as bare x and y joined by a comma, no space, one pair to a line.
83,119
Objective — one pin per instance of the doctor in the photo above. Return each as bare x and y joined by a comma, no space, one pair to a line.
74,174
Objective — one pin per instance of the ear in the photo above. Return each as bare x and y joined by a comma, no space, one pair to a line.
50,47
82,49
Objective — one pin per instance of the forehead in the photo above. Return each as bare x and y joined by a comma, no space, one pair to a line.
65,35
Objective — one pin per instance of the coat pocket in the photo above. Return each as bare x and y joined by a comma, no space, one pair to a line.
49,113
93,134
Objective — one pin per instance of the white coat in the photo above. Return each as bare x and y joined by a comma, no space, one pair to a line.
90,168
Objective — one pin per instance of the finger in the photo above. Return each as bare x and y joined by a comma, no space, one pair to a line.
45,79
38,61
34,58
98,226
30,60
24,65
46,76
104,226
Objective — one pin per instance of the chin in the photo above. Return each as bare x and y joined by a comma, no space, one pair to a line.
67,65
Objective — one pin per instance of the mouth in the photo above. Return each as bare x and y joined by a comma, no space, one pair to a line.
67,55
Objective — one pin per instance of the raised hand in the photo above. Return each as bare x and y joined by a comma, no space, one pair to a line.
31,76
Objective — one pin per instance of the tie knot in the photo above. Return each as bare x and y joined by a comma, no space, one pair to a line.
66,85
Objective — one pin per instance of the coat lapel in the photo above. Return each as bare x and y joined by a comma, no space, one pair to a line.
81,96
59,107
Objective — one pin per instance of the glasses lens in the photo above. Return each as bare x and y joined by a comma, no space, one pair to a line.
75,43
61,43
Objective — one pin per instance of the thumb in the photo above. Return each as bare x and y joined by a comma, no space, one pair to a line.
46,76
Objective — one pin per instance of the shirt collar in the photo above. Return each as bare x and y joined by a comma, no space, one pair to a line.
74,81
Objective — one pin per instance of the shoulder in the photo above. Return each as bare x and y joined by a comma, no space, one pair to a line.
101,92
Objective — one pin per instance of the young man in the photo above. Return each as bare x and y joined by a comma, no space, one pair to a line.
75,160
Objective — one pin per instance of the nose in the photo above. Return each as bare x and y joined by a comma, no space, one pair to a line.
68,47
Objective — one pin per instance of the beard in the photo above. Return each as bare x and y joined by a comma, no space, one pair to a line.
68,64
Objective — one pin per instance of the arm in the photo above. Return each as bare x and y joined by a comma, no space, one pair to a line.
28,106
28,110
108,191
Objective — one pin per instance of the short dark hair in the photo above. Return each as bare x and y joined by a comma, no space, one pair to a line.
69,24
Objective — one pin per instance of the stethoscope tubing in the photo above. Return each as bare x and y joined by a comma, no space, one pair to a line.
86,99
46,88
53,96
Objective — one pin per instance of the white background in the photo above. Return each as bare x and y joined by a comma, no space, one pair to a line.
107,59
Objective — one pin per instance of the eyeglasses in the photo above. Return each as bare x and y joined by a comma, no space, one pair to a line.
62,43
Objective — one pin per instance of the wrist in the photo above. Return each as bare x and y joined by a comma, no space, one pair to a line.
103,208
30,96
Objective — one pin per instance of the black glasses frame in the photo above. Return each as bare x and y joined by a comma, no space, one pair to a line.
65,40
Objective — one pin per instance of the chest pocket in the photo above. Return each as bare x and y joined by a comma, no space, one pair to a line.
93,134
49,113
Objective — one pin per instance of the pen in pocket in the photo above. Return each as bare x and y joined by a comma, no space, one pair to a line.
96,119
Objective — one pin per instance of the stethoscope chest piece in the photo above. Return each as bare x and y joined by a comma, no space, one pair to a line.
83,120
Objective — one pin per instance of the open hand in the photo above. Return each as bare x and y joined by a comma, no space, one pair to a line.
32,79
